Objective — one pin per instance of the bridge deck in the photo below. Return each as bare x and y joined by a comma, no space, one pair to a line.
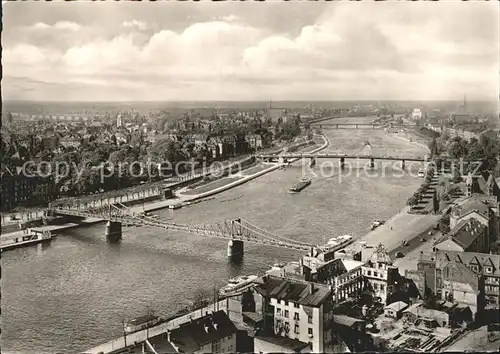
228,230
346,156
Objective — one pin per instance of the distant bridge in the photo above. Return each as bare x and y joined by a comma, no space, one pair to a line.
235,231
286,156
361,126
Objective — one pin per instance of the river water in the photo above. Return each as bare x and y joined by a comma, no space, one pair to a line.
72,294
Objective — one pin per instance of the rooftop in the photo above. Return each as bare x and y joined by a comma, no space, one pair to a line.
284,342
397,306
459,273
294,290
207,329
470,258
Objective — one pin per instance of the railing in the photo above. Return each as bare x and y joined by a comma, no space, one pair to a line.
230,230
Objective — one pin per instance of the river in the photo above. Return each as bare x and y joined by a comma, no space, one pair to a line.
72,294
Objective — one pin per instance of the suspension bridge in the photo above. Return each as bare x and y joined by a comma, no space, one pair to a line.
236,232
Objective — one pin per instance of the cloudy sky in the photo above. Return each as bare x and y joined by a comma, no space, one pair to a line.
250,51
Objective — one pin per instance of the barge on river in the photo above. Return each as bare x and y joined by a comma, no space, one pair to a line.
305,182
29,237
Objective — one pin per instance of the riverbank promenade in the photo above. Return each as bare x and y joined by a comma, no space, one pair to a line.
401,227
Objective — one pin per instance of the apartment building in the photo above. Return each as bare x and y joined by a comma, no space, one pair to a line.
462,286
343,275
487,265
379,273
295,309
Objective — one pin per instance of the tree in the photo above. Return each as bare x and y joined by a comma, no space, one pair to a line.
457,148
201,299
412,201
444,224
433,147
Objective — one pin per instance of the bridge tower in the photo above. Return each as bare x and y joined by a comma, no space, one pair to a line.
235,248
113,229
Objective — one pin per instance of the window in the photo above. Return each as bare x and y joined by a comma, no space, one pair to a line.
278,312
382,287
296,329
286,303
310,331
309,319
369,273
296,316
296,305
375,274
489,270
216,346
286,313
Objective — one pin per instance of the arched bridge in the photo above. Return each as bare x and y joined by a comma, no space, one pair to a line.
235,231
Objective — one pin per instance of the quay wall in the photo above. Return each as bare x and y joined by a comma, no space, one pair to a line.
231,306
249,178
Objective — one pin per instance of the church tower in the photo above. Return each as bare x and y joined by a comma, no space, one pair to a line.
468,183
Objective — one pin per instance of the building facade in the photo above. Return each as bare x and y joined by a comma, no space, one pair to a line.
297,310
379,273
460,285
486,265
343,275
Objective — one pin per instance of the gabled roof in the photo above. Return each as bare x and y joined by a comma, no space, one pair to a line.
459,273
207,329
484,259
473,204
346,320
466,232
292,344
397,306
294,290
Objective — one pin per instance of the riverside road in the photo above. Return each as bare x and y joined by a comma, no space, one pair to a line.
71,294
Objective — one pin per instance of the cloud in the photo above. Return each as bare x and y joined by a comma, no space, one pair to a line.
135,24
58,26
398,52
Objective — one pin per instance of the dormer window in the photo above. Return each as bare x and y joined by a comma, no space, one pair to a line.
489,270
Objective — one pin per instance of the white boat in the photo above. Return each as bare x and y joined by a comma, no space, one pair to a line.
421,173
175,206
377,223
339,241
237,283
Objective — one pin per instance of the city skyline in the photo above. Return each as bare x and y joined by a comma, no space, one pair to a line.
250,51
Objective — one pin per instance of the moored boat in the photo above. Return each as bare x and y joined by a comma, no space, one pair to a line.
304,182
376,223
141,323
237,283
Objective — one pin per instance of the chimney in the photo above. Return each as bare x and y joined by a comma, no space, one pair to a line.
311,288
